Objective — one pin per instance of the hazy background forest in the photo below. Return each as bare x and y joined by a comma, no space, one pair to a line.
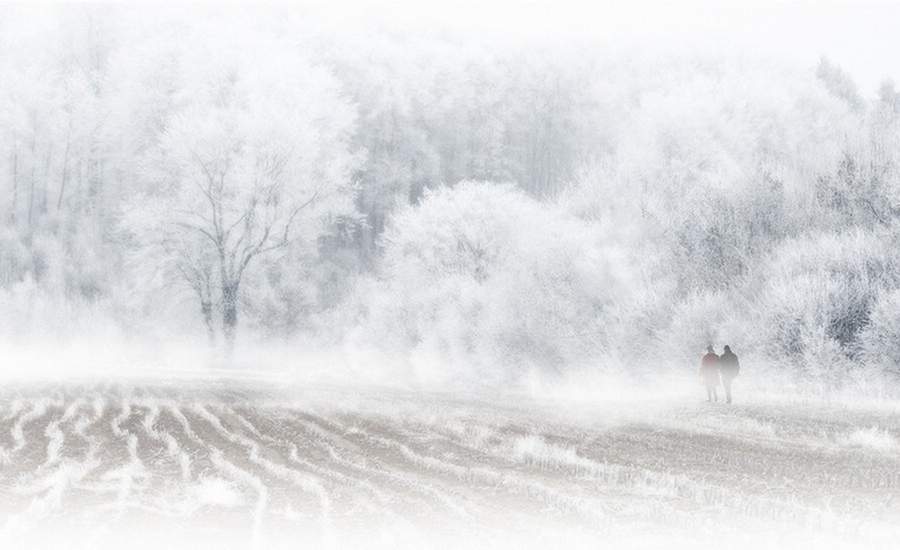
438,206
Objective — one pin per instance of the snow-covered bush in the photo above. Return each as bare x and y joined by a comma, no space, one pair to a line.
696,323
15,258
880,340
480,274
817,299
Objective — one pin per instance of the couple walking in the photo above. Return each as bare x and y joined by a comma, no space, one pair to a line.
714,368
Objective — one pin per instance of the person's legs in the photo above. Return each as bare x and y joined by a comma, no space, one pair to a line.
715,394
709,393
726,382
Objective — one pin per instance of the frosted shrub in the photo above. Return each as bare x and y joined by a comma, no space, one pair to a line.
15,258
31,309
696,323
817,298
880,340
482,274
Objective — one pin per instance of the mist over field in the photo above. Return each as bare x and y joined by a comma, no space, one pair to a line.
399,275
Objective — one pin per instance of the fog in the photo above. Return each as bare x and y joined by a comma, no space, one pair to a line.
299,269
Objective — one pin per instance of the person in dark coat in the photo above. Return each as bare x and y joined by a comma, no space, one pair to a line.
729,367
709,371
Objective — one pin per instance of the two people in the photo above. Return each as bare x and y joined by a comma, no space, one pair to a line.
715,368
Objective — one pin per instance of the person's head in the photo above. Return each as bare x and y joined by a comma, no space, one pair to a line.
709,349
727,349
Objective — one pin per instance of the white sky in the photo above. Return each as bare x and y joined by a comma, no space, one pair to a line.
861,36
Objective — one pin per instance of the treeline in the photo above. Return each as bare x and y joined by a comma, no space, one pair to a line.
455,202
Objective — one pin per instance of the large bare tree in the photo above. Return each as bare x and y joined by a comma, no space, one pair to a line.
254,155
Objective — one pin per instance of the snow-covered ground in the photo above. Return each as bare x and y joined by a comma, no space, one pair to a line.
257,464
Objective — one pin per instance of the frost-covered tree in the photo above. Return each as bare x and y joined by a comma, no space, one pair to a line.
253,155
464,281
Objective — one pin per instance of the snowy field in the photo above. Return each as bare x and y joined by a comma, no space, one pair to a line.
227,464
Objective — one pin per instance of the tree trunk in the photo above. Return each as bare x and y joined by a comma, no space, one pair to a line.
206,308
48,164
65,175
65,167
15,179
31,185
229,314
